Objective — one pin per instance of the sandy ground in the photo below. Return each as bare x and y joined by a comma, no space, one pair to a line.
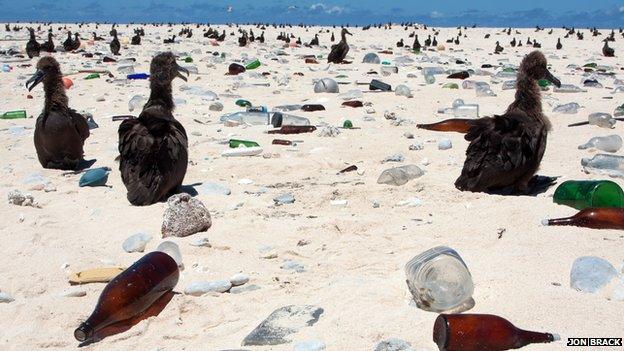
356,253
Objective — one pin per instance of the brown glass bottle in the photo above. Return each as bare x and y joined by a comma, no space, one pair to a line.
354,103
293,130
596,218
281,142
131,292
482,332
312,107
459,125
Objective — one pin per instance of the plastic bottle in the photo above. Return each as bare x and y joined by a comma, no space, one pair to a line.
283,119
582,194
611,164
252,118
603,120
439,280
461,109
242,151
610,143
459,125
595,218
138,76
286,108
509,85
569,108
131,292
568,88
13,114
483,89
136,102
619,111
483,332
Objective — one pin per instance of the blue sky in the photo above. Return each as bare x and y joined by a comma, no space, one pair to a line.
526,13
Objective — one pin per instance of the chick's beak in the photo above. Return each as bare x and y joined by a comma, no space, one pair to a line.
549,77
182,70
35,80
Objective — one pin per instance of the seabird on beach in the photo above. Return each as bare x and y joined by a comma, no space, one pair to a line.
48,46
416,46
400,43
96,37
153,147
559,46
136,39
32,47
114,44
314,41
339,51
498,49
428,41
333,38
60,132
506,150
513,43
606,50
68,44
260,38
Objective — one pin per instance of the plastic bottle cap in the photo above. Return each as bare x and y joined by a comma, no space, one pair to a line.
545,222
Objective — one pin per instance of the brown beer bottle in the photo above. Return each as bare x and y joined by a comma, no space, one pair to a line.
459,125
131,292
482,332
281,142
596,218
293,130
312,108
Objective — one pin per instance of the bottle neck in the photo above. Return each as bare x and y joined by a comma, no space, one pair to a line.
562,221
529,337
84,332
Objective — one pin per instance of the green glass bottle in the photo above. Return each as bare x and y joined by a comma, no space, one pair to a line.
243,103
581,194
590,65
234,143
93,76
13,114
450,86
188,59
253,64
347,124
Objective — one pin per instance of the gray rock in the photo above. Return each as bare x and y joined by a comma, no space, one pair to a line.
393,344
239,279
394,158
328,131
243,288
416,147
6,298
284,199
589,274
199,288
16,197
309,345
290,265
213,189
400,175
136,242
185,216
444,144
283,322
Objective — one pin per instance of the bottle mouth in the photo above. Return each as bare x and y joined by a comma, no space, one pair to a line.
83,332
441,332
